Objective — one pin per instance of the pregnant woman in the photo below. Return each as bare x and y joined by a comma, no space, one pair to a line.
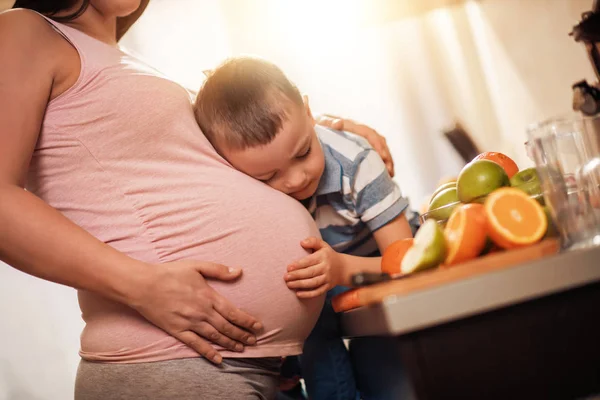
123,194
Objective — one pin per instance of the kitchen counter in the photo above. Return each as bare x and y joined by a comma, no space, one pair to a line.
529,331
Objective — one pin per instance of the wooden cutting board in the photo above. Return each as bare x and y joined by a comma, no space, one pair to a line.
493,262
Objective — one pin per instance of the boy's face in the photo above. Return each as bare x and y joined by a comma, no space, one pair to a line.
292,163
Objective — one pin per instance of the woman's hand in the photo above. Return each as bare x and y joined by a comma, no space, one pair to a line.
375,139
177,299
317,273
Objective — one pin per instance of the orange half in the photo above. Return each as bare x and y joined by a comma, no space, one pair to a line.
393,255
514,218
465,233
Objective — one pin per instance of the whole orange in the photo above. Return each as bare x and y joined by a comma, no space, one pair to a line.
393,255
510,167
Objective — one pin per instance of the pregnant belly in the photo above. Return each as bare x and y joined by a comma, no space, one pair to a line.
250,226
266,242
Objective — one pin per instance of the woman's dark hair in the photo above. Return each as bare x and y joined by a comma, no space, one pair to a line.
50,8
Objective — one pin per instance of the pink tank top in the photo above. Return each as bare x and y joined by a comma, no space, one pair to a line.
120,154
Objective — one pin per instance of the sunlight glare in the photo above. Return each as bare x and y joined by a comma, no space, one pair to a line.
318,21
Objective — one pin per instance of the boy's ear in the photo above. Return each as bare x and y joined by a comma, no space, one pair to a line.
307,109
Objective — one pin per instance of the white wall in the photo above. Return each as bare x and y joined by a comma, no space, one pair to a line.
495,64
39,338
528,60
410,79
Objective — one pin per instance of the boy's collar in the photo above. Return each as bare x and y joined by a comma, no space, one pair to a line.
331,180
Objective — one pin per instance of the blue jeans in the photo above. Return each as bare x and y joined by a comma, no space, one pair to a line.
369,369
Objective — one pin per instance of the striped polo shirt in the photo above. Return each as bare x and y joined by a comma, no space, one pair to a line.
356,195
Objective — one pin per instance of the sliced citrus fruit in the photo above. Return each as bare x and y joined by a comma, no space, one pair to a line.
466,233
489,248
393,255
514,218
428,249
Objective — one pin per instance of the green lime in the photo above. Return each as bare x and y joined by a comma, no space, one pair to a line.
440,207
528,181
480,178
445,186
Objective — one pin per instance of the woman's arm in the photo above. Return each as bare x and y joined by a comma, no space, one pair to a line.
124,23
40,241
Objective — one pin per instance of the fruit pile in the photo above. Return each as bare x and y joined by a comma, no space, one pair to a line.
492,206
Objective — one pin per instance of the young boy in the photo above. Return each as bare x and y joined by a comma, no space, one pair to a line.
257,120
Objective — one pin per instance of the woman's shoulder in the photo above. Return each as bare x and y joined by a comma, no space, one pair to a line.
29,40
26,28
32,49
22,19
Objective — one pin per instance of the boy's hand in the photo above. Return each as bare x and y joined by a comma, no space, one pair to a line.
317,273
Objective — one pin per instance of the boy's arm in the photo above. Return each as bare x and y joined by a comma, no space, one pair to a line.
395,230
325,268
378,201
351,265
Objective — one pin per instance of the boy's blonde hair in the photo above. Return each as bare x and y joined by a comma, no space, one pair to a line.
244,102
